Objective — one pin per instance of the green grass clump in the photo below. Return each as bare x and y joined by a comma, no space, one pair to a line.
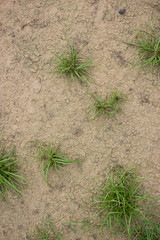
109,106
52,157
46,231
120,200
148,48
148,230
72,66
10,178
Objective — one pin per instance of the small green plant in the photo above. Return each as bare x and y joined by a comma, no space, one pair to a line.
83,224
72,65
120,201
71,225
109,106
10,178
148,48
148,230
52,157
46,231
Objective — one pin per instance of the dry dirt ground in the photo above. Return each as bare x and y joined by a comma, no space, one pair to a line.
37,105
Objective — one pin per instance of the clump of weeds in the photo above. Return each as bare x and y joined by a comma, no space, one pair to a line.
46,231
120,201
52,157
72,65
10,178
148,48
109,106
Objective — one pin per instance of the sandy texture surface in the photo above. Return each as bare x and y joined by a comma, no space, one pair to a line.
38,105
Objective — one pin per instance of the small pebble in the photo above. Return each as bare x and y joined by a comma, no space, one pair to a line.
122,11
37,86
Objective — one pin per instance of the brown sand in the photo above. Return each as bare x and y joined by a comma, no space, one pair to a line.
37,105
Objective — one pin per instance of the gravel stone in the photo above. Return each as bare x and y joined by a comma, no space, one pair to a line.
107,16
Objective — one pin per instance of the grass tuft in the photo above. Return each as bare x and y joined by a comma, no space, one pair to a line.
52,157
148,230
72,66
148,48
120,200
109,106
10,178
46,231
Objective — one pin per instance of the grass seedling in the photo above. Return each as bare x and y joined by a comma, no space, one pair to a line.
148,48
109,106
71,225
120,200
83,224
52,157
72,65
10,178
46,231
148,230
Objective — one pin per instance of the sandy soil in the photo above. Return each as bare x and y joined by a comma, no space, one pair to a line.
37,105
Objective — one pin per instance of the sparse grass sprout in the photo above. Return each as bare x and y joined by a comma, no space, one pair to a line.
46,231
10,178
109,106
148,48
72,66
52,157
148,230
